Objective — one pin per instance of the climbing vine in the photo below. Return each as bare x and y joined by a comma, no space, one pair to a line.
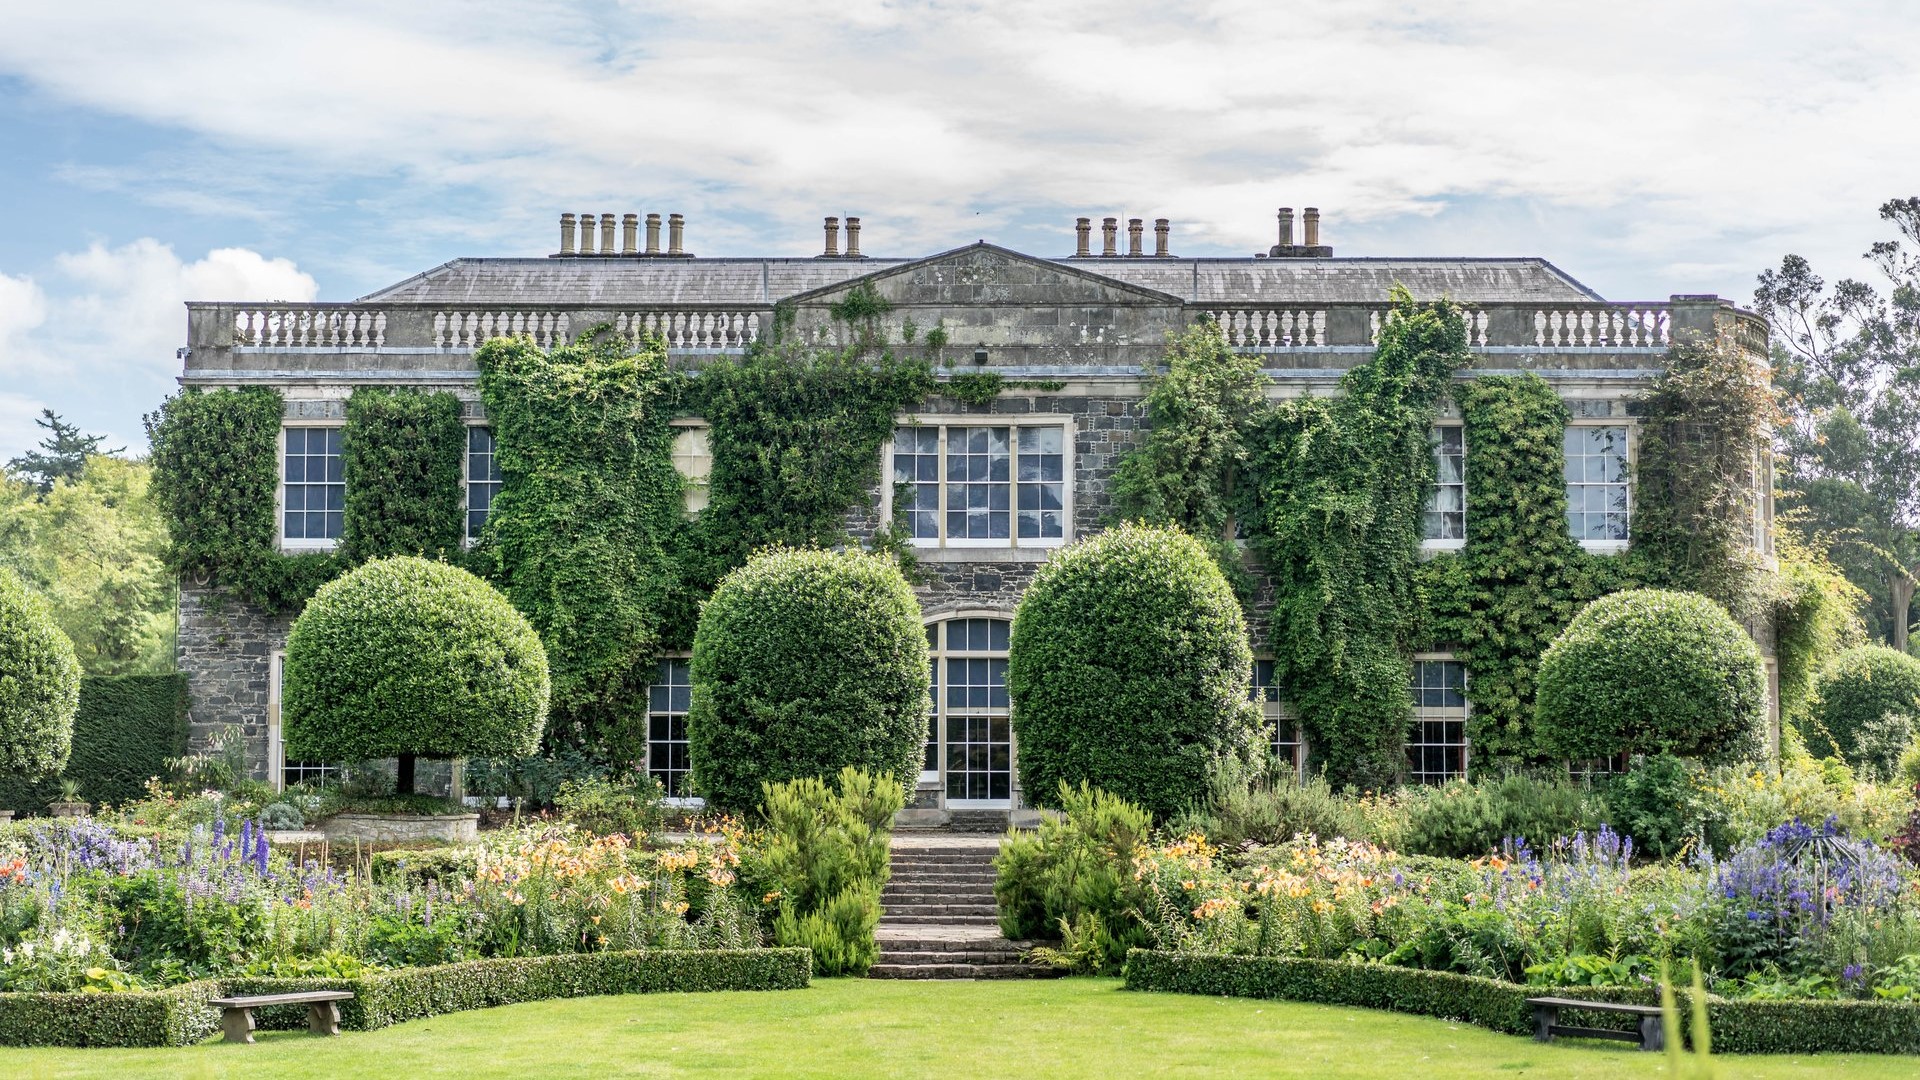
401,454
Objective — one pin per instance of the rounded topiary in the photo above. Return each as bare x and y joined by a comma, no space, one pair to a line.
1128,668
39,683
1866,702
806,662
1650,671
408,658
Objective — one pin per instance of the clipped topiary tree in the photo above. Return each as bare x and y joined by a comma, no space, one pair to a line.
1128,668
1651,671
39,683
806,662
1866,703
406,658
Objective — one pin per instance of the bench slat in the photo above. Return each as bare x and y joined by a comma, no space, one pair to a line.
1595,1033
1597,1006
259,1001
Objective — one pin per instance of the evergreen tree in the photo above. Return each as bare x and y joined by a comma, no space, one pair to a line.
62,455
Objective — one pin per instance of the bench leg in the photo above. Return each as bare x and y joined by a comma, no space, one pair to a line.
323,1018
1543,1018
236,1025
1653,1033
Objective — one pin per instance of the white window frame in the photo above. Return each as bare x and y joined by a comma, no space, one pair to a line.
301,544
686,801
1014,424
276,737
1465,719
940,656
1609,547
696,489
1276,712
1762,488
1455,543
467,481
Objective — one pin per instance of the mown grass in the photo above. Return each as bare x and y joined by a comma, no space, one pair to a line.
854,1028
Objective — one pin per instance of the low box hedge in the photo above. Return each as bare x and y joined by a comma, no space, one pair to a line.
180,1015
1742,1027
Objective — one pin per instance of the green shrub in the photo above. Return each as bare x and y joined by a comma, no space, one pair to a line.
126,729
404,657
1655,804
601,806
1649,671
535,782
807,662
1073,878
1128,669
39,683
1865,705
827,855
1268,804
1466,820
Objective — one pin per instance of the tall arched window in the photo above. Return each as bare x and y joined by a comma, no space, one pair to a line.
969,725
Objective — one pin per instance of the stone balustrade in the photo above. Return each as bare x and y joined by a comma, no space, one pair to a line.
308,326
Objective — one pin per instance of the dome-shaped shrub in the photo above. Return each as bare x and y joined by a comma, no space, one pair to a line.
39,683
408,658
806,662
1866,702
1650,671
1128,668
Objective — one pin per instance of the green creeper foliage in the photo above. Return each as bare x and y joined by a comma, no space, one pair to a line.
39,683
1816,616
1649,671
1339,487
582,534
806,662
401,454
1866,704
405,657
216,476
1128,668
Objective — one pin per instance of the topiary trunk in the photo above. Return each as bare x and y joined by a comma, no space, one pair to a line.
403,781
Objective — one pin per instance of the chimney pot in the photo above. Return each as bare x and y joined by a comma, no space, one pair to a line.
676,232
1135,226
606,234
1311,217
1083,238
1286,226
853,238
1161,228
653,234
629,230
833,239
1109,237
566,234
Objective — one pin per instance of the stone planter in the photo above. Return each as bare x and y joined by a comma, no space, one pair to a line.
389,828
70,809
5,816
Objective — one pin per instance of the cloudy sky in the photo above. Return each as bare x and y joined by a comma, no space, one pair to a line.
218,149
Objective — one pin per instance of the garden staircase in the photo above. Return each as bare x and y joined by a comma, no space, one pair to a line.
938,917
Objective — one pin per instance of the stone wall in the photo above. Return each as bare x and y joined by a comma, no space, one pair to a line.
226,652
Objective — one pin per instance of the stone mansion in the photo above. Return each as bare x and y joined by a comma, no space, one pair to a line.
996,486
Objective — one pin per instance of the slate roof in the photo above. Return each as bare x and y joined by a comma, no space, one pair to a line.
761,282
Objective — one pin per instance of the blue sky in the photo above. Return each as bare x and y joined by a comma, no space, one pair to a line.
219,149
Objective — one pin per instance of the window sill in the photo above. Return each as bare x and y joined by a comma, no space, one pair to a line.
308,547
1604,547
982,554
1443,545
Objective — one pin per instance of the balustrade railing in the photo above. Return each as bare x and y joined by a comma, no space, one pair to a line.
309,326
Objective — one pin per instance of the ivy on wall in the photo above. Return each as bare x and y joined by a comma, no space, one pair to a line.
401,454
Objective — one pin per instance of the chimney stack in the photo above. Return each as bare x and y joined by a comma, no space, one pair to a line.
1134,230
606,234
1286,226
1083,238
833,239
1161,228
566,234
586,233
1310,247
1311,216
1109,237
629,234
853,238
653,234
676,229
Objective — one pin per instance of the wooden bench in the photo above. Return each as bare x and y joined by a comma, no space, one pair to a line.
1652,1033
323,1011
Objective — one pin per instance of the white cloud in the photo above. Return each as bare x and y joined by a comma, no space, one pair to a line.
23,307
17,433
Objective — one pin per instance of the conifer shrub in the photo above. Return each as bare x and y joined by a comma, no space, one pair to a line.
407,658
1865,705
825,860
1651,671
39,683
1128,668
806,662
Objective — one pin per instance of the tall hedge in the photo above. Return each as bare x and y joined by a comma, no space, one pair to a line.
124,730
806,662
400,453
1651,671
39,683
1128,668
403,657
1866,703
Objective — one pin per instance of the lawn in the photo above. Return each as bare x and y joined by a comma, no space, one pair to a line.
844,1027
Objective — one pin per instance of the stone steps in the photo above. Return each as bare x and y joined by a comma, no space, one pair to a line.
939,919
961,971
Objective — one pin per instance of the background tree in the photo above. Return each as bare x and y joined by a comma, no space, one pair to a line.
405,658
62,454
39,684
1848,364
1865,704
